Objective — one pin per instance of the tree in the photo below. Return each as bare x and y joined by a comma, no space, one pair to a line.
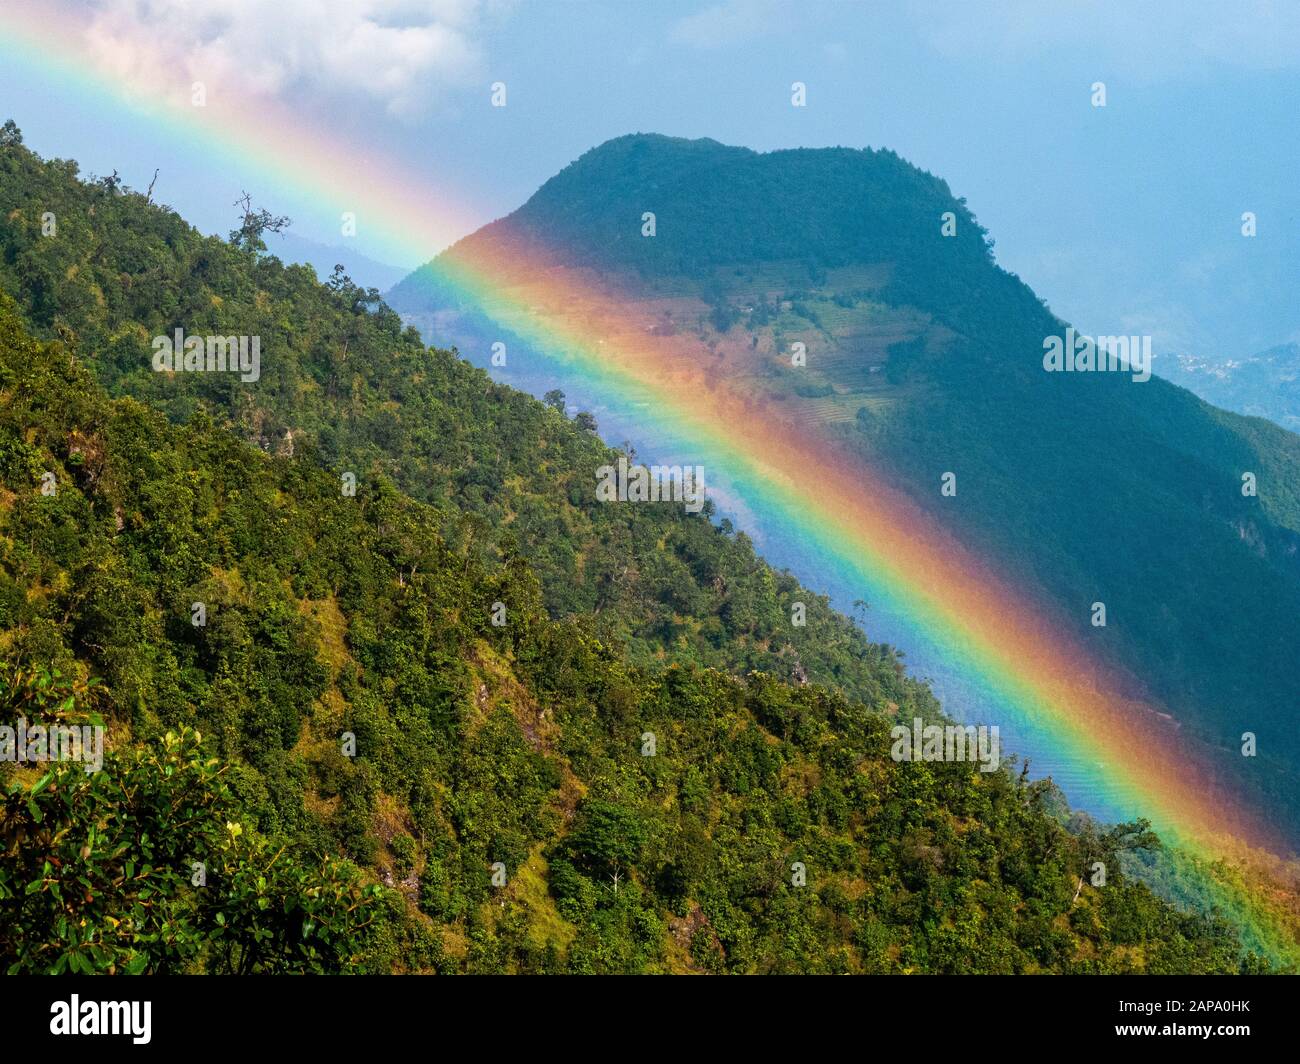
607,839
554,399
145,866
254,223
357,298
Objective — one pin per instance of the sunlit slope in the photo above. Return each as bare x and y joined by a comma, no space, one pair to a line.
922,357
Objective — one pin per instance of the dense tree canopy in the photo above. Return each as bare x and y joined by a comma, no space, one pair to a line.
458,719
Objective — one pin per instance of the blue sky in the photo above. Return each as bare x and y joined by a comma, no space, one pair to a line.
1125,218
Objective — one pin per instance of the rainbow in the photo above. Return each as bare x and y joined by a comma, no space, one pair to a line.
794,479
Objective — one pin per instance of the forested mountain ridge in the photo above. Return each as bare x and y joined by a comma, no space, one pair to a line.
923,356
476,744
339,372
500,802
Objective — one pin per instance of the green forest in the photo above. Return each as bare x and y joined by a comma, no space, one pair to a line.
1085,487
462,718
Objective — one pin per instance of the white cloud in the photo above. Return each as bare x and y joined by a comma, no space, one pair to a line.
396,53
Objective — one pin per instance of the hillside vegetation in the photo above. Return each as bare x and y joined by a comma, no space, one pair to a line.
340,373
343,763
923,356
523,745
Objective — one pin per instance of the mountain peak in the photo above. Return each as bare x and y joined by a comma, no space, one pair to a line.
715,205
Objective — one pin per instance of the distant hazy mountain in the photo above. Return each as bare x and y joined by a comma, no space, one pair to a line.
1264,385
364,271
924,355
